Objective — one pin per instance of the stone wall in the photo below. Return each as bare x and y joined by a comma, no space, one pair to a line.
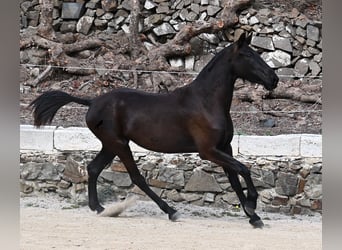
289,179
289,185
289,42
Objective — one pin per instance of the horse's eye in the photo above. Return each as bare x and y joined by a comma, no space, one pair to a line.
247,54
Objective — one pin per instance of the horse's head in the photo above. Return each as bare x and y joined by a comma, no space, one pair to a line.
248,64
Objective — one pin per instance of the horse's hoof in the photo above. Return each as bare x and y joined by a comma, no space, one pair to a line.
175,216
99,209
257,223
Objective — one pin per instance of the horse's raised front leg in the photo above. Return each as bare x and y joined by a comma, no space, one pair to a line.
94,169
232,168
236,185
126,157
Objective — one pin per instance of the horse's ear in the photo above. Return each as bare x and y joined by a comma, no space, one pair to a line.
248,39
241,40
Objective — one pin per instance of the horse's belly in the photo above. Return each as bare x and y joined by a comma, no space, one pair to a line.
166,143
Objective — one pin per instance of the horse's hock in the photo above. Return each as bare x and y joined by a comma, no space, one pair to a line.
289,182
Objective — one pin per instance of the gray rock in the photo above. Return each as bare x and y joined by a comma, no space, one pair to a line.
72,11
91,4
176,62
319,45
253,20
172,175
107,16
178,5
84,24
266,30
174,195
262,42
315,68
195,8
313,192
214,2
192,16
201,181
231,198
278,27
41,171
213,10
301,67
164,29
286,184
285,73
25,6
68,26
74,172
290,29
121,179
190,197
189,63
301,32
318,58
30,171
153,19
183,14
302,21
33,18
313,186
282,43
306,53
100,23
204,2
149,5
202,62
90,12
310,43
312,32
243,20
268,177
313,51
125,28
210,38
268,123
277,59
126,4
209,197
162,8
109,5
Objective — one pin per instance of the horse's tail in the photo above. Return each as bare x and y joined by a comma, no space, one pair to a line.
46,105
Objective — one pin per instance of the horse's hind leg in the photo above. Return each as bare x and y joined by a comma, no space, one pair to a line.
126,157
94,169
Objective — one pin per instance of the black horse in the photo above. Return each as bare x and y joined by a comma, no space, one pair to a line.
193,118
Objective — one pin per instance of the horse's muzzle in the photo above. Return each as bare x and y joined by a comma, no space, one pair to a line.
273,83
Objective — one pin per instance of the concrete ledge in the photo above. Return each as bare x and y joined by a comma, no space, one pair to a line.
74,138
36,139
311,145
50,138
269,145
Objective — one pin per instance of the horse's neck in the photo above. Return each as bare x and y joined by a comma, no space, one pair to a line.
215,84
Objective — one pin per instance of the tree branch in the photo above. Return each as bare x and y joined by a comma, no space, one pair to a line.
179,45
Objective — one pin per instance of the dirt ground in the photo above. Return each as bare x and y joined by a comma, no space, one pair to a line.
51,226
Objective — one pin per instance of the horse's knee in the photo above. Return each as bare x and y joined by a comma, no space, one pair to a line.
93,172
